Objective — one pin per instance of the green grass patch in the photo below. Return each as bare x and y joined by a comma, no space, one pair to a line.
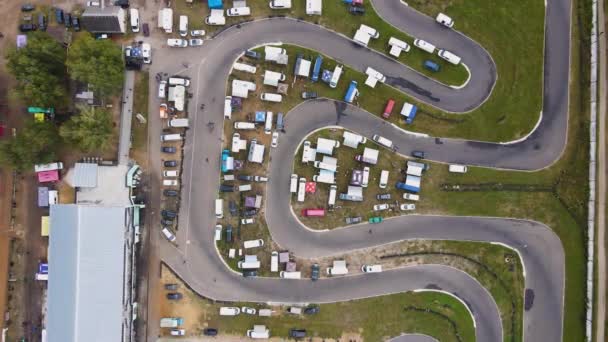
139,131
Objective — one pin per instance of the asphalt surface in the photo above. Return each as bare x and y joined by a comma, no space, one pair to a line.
196,260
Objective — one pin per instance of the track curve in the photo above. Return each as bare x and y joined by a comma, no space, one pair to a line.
198,263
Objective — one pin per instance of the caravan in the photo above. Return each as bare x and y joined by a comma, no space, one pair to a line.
134,14
332,195
335,76
268,124
183,25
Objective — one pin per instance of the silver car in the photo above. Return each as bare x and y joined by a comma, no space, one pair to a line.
196,42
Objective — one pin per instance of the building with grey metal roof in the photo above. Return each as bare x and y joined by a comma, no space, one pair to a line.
85,175
110,19
90,273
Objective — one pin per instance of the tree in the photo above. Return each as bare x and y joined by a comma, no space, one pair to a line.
98,63
39,68
90,130
36,143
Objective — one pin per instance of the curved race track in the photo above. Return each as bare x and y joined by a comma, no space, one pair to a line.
196,260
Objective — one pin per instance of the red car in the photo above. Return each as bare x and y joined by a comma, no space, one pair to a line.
388,109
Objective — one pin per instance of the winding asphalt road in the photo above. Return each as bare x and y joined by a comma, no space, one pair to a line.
196,260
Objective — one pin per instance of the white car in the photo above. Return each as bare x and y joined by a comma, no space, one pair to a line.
170,182
162,89
371,268
275,139
146,52
245,221
365,180
247,310
177,42
238,12
411,197
260,179
408,206
93,3
380,207
197,33
178,332
168,234
196,42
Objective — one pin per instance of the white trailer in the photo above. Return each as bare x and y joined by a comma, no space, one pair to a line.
165,19
302,189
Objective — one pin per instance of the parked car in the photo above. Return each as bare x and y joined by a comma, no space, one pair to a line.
356,10
309,95
168,149
41,22
59,15
250,273
371,268
226,188
250,212
146,52
170,163
210,332
171,193
197,33
260,178
418,154
76,23
67,20
408,206
383,197
297,333
168,214
248,310
245,178
93,3
182,43
245,221
315,272
275,139
381,207
232,207
122,3
166,222
178,332
146,28
170,287
411,197
253,54
27,27
174,296
312,310
375,219
195,42
353,220
27,7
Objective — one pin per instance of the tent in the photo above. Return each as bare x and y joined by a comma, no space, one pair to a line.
215,4
48,176
311,187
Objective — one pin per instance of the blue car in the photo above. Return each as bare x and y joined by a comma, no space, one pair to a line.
430,65
59,15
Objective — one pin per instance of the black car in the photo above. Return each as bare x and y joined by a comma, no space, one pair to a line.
168,149
312,310
226,188
418,154
59,15
41,22
168,214
229,233
233,208
174,296
245,178
315,272
209,331
67,20
170,287
76,23
297,333
122,3
353,220
383,197
166,222
146,29
250,273
27,27
309,95
356,10
171,193
27,8
253,54
250,212
170,163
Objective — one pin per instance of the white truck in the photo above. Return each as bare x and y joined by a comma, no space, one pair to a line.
171,322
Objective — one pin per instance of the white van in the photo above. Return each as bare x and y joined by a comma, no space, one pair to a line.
445,20
280,4
365,180
382,141
457,168
371,268
332,195
290,275
268,124
168,234
171,137
293,185
219,208
271,97
253,243
244,125
383,179
179,81
335,76
302,189
170,182
218,232
216,18
370,30
229,311
238,12
180,123
424,45
245,67
448,56
249,265
170,174
183,25
228,108
244,187
274,261
162,89
134,14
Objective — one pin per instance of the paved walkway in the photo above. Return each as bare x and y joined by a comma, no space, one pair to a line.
124,143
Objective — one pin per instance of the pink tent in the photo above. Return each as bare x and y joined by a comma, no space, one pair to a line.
48,176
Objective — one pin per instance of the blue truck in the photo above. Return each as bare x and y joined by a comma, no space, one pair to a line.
410,185
260,117
352,92
317,68
409,112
